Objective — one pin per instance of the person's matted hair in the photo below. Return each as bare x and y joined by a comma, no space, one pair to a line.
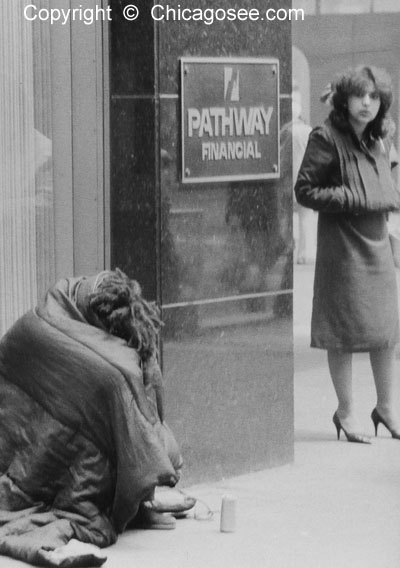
118,303
356,82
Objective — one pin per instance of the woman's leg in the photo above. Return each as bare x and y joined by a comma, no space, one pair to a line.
383,368
340,368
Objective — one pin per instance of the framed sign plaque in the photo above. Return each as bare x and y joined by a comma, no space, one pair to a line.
230,119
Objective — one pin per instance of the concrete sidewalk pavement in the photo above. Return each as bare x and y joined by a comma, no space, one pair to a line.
336,506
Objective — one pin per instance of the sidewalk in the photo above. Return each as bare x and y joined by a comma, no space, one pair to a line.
336,506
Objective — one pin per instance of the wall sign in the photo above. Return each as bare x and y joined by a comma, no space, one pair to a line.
230,119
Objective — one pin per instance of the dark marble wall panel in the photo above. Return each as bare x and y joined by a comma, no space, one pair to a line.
133,199
223,38
229,397
131,51
227,352
222,239
218,256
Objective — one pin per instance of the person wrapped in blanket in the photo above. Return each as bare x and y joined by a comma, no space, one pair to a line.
83,441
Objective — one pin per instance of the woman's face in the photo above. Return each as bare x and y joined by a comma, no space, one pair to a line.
363,108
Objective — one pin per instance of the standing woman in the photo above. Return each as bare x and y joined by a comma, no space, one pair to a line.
346,177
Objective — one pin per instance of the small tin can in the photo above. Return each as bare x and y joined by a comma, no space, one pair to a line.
228,513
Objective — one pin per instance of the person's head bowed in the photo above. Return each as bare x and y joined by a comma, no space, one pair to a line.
114,302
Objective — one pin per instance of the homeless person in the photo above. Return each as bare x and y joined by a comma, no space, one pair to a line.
83,443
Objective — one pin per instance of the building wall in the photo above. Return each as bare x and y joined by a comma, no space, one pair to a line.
216,256
334,42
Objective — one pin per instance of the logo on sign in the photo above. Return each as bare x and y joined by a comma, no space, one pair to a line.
231,84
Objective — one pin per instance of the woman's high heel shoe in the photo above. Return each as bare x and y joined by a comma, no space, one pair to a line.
377,419
358,438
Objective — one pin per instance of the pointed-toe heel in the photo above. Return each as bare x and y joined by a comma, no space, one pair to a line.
351,437
378,419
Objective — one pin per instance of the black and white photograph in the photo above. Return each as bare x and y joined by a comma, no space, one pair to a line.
199,283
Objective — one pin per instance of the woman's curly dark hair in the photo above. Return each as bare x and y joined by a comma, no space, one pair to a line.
118,303
356,82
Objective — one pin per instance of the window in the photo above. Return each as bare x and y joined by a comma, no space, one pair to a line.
26,193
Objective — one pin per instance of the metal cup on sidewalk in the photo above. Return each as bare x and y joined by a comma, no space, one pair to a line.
228,513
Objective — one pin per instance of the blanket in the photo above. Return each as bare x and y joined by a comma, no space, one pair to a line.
81,441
